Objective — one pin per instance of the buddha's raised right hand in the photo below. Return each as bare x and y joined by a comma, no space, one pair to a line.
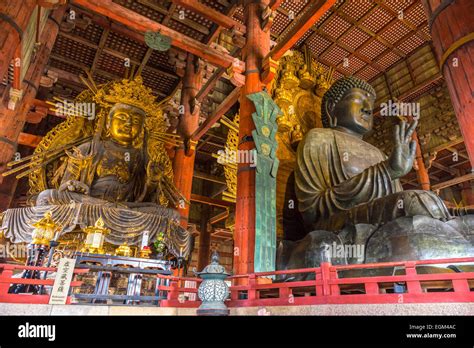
74,186
401,159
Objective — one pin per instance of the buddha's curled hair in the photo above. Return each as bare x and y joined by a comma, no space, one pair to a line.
337,91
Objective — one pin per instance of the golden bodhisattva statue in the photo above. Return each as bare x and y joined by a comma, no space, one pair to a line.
113,166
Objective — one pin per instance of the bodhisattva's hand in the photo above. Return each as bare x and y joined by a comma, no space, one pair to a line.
154,173
74,186
401,159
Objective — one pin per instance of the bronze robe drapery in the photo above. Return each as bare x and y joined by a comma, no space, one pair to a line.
341,179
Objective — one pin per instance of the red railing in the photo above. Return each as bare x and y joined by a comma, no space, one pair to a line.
176,292
6,280
327,287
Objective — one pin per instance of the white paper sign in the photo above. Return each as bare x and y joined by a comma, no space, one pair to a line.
144,239
62,283
97,240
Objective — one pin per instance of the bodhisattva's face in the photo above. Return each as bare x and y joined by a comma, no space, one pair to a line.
126,125
355,111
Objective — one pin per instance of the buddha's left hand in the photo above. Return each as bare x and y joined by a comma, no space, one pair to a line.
401,159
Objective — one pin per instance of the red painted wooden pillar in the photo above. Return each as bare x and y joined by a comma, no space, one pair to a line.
183,163
14,17
256,48
452,30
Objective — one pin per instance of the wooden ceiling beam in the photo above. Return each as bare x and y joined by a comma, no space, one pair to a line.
460,153
67,76
413,91
29,140
219,217
209,177
448,145
210,201
274,4
143,24
461,163
374,35
403,20
347,48
84,67
175,16
171,10
388,49
452,182
218,191
36,103
145,60
107,24
212,81
215,33
100,48
310,15
211,14
451,171
223,107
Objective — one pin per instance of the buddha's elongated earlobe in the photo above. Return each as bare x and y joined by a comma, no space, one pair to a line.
330,106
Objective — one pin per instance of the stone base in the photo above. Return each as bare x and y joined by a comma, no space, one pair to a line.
213,312
392,309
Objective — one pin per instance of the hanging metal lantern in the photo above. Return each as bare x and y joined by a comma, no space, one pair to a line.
213,290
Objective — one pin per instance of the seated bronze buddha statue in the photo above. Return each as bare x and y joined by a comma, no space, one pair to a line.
113,167
348,191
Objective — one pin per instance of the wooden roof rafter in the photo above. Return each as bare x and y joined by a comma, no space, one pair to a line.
102,49
294,31
142,24
355,26
224,21
171,14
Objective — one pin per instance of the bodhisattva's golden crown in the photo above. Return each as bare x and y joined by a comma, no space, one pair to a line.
131,92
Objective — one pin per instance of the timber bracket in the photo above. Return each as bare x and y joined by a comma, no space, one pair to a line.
190,146
234,73
195,106
266,18
269,69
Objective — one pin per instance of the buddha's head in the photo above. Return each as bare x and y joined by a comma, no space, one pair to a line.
125,123
349,104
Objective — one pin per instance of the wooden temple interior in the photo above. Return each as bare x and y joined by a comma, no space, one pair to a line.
388,43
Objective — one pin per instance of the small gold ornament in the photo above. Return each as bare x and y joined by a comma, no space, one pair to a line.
45,229
123,250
